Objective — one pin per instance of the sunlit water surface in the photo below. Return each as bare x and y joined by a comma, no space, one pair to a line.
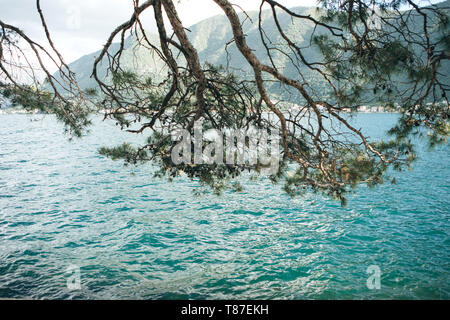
134,236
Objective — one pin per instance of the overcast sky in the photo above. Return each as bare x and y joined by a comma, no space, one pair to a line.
79,27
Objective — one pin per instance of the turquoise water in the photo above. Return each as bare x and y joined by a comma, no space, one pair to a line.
137,237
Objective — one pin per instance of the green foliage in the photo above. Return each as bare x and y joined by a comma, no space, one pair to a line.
125,152
70,111
91,91
28,97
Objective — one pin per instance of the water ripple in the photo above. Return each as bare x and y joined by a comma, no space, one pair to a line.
134,236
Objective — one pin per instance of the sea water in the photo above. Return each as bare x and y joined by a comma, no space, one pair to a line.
67,212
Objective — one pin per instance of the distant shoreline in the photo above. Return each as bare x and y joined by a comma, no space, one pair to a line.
11,111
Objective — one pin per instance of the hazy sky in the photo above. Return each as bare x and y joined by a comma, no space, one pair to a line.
79,27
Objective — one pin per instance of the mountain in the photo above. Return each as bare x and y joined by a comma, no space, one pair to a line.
210,38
